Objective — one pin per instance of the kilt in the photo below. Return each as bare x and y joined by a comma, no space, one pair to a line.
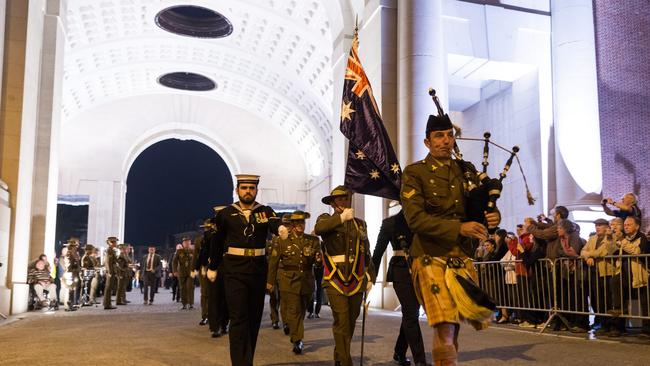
433,294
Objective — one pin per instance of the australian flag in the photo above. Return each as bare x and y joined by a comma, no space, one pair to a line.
372,164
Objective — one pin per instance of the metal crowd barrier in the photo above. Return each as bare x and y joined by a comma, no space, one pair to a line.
612,286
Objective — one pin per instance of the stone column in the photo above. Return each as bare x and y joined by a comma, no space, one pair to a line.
5,225
422,63
35,215
577,166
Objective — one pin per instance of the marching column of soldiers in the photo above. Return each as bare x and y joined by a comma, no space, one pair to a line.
247,250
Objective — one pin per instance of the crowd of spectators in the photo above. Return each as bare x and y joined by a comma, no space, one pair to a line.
547,269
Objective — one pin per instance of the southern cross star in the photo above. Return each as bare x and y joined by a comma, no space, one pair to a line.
346,111
374,174
395,168
360,155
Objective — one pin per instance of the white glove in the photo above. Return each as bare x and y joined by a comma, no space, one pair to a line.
283,232
347,214
203,271
212,275
193,274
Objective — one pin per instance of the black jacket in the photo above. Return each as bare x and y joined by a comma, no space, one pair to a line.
232,230
395,230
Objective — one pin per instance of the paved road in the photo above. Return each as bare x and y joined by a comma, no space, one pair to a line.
164,335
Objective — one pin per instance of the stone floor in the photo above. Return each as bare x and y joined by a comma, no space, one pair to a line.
164,335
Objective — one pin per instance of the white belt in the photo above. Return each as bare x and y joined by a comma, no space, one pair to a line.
247,252
399,253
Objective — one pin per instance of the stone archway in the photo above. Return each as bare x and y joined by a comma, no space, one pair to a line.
172,186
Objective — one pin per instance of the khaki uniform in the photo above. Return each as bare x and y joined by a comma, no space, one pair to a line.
347,268
183,266
122,278
433,199
291,266
110,265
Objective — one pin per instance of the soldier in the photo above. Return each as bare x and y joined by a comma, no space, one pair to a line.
110,267
217,308
348,270
242,229
395,231
122,271
434,198
89,263
184,270
201,264
274,293
290,266
70,280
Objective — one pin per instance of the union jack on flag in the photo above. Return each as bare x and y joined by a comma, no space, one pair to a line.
372,166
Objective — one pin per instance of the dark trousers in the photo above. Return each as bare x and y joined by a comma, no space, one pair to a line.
186,286
150,284
345,310
318,292
245,298
109,286
217,308
410,334
176,293
203,283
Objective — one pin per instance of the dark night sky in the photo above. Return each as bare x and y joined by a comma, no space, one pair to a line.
170,186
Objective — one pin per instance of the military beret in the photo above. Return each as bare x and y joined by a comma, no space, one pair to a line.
112,238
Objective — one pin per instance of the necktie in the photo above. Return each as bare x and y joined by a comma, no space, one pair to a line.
150,263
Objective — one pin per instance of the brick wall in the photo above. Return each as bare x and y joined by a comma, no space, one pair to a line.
623,62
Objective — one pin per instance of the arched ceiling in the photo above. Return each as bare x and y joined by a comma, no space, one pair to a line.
276,64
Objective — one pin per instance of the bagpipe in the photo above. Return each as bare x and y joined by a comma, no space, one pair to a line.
482,191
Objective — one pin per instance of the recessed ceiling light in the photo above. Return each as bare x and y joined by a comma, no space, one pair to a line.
194,21
187,81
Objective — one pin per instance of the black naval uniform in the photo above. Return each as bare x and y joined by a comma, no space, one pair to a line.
241,260
395,230
217,309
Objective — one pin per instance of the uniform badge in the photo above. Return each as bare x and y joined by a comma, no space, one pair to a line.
260,218
408,195
306,251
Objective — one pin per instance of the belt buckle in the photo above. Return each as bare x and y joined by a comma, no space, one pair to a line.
249,252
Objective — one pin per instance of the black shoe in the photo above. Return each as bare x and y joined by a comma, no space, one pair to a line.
203,321
286,329
109,307
316,316
337,363
191,307
276,325
310,316
401,360
184,307
297,347
217,334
